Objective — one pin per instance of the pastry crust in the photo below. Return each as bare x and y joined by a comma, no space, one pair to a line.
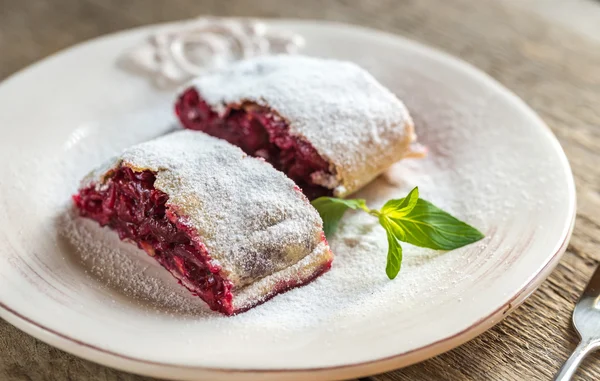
357,125
258,229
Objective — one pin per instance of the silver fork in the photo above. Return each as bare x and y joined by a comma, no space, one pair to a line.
586,320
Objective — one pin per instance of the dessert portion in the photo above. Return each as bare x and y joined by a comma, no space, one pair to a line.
228,226
329,125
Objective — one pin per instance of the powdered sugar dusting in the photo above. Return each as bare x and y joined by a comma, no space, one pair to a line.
251,217
451,177
357,285
354,122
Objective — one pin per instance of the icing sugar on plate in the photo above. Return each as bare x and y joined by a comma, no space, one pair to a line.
357,284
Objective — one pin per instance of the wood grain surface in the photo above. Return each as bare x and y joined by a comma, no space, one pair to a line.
554,70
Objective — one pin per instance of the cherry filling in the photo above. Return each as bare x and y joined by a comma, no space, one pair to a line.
131,205
258,132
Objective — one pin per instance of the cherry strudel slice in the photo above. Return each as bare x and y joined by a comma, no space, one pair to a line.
229,227
329,125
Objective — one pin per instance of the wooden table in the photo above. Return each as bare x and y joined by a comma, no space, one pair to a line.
553,68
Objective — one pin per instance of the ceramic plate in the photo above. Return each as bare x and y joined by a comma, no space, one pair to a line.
492,162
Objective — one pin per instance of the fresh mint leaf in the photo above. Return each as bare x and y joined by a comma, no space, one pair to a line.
426,225
401,207
332,210
409,219
394,256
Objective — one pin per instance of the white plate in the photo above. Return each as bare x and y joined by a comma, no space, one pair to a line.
492,162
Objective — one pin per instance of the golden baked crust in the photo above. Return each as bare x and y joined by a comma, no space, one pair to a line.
258,228
353,122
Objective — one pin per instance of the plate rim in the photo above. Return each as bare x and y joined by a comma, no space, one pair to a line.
141,366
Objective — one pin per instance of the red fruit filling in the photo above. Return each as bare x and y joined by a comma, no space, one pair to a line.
258,132
131,205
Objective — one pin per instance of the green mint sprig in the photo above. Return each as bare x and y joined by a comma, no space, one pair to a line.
410,219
